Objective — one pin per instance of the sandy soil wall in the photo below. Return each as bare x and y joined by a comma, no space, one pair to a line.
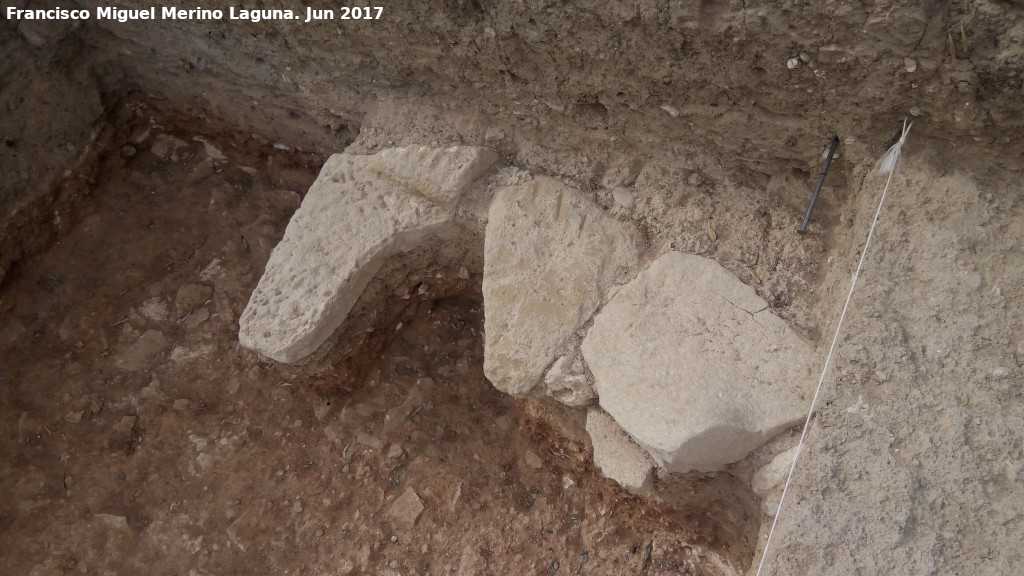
716,73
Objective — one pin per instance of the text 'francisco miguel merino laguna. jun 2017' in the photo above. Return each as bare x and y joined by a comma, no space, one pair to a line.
170,13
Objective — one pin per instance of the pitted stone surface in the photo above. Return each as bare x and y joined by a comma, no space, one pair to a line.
693,365
550,255
440,175
617,455
360,211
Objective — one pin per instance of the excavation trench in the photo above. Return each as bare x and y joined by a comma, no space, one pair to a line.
675,375
126,384
414,341
150,166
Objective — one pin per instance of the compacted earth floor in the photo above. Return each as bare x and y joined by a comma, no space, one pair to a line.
138,436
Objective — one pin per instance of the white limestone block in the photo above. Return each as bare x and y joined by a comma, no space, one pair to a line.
359,212
694,366
550,255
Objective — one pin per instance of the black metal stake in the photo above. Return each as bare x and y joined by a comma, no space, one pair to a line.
821,180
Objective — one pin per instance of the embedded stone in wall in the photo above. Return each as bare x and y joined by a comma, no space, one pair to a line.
566,382
359,212
694,366
550,255
768,480
617,455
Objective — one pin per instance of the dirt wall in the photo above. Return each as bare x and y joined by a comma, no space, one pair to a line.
51,110
760,88
649,71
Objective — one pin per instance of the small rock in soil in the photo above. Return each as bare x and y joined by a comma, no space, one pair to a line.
532,460
196,318
321,411
370,441
125,425
623,197
138,355
115,522
191,296
406,509
493,135
503,422
155,309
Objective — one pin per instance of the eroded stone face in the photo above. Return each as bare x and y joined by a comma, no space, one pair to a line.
694,366
550,254
359,212
440,175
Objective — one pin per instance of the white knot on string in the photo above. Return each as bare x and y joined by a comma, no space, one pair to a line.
893,155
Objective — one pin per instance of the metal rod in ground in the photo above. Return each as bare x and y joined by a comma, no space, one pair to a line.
821,180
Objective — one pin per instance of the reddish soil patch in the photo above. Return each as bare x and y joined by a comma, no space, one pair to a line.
138,435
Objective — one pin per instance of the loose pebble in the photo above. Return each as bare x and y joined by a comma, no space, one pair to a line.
532,460
370,441
493,135
623,197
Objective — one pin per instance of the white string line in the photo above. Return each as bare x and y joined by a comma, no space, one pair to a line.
824,371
